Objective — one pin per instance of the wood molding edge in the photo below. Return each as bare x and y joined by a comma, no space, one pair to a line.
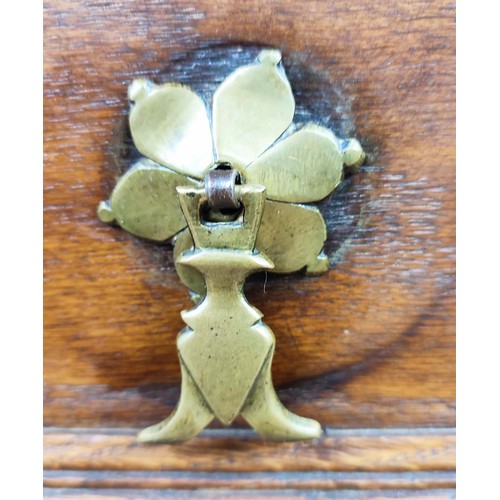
95,463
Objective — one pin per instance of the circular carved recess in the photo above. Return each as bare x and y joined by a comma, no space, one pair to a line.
377,291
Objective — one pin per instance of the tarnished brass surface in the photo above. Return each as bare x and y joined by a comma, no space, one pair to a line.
222,232
292,236
251,109
139,202
169,124
311,160
226,349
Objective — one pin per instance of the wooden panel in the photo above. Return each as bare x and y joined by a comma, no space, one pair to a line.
249,481
370,344
231,463
233,451
367,347
107,494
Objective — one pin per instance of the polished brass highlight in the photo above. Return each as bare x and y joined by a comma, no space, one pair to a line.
229,194
169,124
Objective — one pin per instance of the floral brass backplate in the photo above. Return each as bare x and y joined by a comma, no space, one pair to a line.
274,169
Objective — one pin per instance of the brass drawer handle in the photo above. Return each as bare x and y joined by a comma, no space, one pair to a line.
229,194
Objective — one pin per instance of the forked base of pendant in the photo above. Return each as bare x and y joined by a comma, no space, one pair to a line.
266,414
262,410
189,418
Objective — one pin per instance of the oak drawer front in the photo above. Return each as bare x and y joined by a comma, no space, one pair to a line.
370,345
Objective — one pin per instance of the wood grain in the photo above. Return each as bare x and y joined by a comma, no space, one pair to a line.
371,343
249,481
233,451
410,464
107,494
367,349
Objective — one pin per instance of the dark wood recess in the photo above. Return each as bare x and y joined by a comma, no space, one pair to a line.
368,348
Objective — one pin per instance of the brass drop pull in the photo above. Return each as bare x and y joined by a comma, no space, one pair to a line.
229,213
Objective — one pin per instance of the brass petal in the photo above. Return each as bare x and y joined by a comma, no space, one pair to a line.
190,276
291,236
304,167
144,201
169,124
251,109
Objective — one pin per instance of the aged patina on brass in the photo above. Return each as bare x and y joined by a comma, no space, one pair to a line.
228,193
